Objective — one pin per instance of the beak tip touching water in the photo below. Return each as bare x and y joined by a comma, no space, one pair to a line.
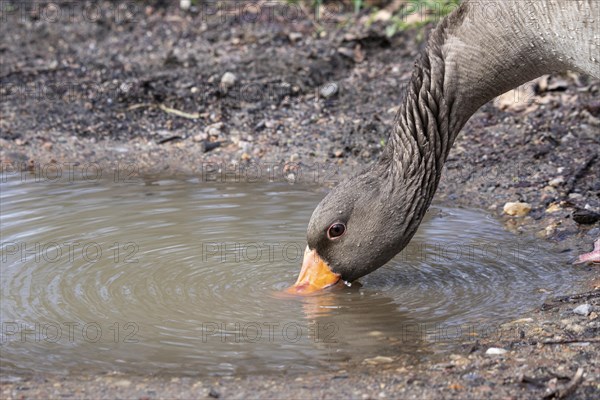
314,275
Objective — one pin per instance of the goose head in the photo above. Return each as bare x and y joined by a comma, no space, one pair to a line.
359,226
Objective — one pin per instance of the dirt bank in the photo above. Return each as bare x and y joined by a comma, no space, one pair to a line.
144,89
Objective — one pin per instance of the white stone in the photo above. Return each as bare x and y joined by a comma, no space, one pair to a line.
328,90
228,80
495,351
584,309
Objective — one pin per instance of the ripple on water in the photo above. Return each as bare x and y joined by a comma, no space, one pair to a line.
181,277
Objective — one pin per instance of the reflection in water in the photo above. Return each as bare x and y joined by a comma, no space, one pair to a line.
177,276
355,320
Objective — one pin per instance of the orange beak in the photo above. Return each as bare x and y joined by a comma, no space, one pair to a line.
314,275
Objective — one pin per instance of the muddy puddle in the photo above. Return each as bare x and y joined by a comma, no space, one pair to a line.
162,276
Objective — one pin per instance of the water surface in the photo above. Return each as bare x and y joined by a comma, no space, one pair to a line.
179,276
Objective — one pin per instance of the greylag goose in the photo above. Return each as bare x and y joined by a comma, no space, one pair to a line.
478,52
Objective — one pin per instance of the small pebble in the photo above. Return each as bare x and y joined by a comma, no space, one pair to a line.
550,229
517,209
124,87
328,90
556,182
554,207
294,36
214,129
346,52
228,80
382,15
575,328
585,217
185,4
495,351
199,137
584,309
245,146
471,376
567,138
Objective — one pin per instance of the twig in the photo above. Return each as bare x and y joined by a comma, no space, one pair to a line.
141,105
561,393
567,299
567,341
169,139
166,109
179,113
570,388
580,172
532,381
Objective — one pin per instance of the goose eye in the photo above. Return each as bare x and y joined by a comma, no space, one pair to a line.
336,230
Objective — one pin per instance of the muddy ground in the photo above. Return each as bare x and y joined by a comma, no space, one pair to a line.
143,89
